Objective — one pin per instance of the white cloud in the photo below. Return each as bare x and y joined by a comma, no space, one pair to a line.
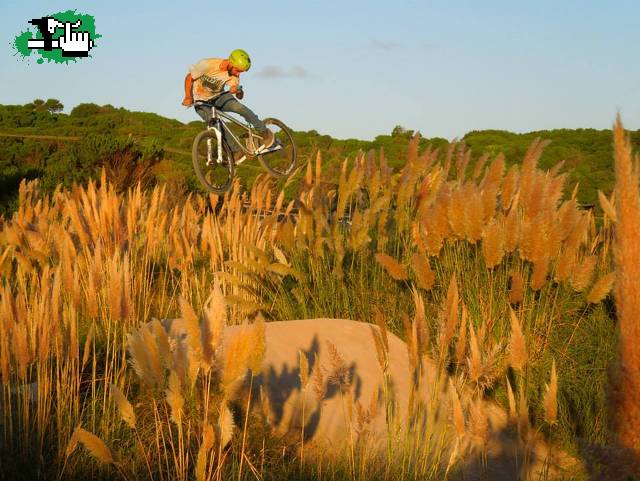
385,45
276,71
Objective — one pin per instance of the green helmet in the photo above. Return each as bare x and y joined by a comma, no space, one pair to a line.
240,60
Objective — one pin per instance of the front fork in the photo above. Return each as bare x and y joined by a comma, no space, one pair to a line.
210,149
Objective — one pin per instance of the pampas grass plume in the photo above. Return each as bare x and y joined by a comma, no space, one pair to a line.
319,386
258,341
205,447
509,186
458,415
214,321
479,422
539,276
380,339
137,351
174,398
238,353
493,241
461,343
512,230
516,292
124,406
517,344
96,447
192,328
304,368
73,443
393,267
607,207
601,288
625,407
87,347
340,375
420,323
424,274
583,273
566,264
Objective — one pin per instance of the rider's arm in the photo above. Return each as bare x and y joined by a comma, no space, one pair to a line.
234,84
188,92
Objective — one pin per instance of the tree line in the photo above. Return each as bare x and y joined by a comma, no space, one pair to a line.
130,146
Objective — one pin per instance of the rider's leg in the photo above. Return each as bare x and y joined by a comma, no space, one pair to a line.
232,105
203,112
228,103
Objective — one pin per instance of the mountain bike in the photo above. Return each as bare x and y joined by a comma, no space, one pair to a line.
213,157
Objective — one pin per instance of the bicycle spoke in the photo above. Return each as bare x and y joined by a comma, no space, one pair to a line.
211,163
279,159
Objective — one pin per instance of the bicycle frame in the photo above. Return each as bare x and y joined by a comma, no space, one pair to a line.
221,129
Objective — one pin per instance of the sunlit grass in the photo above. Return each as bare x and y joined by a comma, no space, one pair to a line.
454,258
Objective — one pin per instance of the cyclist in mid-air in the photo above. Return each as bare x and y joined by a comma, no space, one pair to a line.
206,81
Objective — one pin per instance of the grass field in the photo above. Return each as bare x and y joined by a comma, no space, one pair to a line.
495,274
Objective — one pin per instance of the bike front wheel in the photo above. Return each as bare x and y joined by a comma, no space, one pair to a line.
213,162
280,159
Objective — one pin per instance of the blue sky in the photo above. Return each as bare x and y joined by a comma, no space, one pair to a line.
355,69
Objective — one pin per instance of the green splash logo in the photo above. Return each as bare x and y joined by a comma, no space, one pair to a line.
59,37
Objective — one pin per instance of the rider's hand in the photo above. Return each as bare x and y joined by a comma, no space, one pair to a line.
240,93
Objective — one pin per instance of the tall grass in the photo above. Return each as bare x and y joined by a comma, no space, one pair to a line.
512,240
626,399
504,276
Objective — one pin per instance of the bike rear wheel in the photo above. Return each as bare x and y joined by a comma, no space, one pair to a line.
280,158
214,175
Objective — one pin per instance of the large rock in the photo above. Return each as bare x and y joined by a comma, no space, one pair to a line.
349,401
346,400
